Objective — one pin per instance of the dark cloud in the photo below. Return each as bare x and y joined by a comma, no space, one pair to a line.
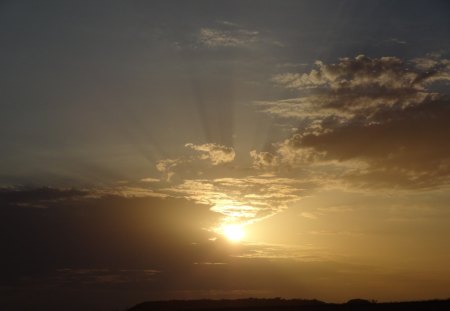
37,197
380,113
97,243
410,144
101,232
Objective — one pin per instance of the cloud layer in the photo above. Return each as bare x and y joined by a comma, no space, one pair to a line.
383,113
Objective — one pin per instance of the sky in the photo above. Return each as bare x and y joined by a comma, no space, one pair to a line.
154,150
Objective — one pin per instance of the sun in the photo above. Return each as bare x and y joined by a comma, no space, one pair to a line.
233,232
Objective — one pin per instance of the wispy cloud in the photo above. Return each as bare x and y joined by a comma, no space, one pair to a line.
207,156
88,276
167,166
39,197
213,37
396,41
226,34
45,197
298,253
126,192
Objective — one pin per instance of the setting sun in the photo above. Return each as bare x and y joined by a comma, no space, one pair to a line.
233,232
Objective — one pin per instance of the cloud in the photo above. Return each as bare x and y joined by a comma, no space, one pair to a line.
217,154
231,37
125,192
434,64
405,147
232,192
309,108
380,116
356,90
396,41
264,159
38,197
166,167
46,197
362,72
298,253
358,87
90,245
117,227
286,154
243,200
191,166
226,34
101,277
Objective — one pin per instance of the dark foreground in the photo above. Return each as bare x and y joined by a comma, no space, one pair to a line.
295,304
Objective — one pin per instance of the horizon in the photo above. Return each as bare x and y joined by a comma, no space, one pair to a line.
160,150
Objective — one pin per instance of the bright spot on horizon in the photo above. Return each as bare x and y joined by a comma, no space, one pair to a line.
233,232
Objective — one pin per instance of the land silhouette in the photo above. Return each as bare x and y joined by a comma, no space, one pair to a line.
255,304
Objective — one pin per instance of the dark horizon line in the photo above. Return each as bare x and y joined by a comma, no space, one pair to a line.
293,299
264,303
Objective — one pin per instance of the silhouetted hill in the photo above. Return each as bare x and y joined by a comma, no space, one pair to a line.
254,304
225,304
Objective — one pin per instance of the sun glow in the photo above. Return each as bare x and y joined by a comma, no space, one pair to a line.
233,232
